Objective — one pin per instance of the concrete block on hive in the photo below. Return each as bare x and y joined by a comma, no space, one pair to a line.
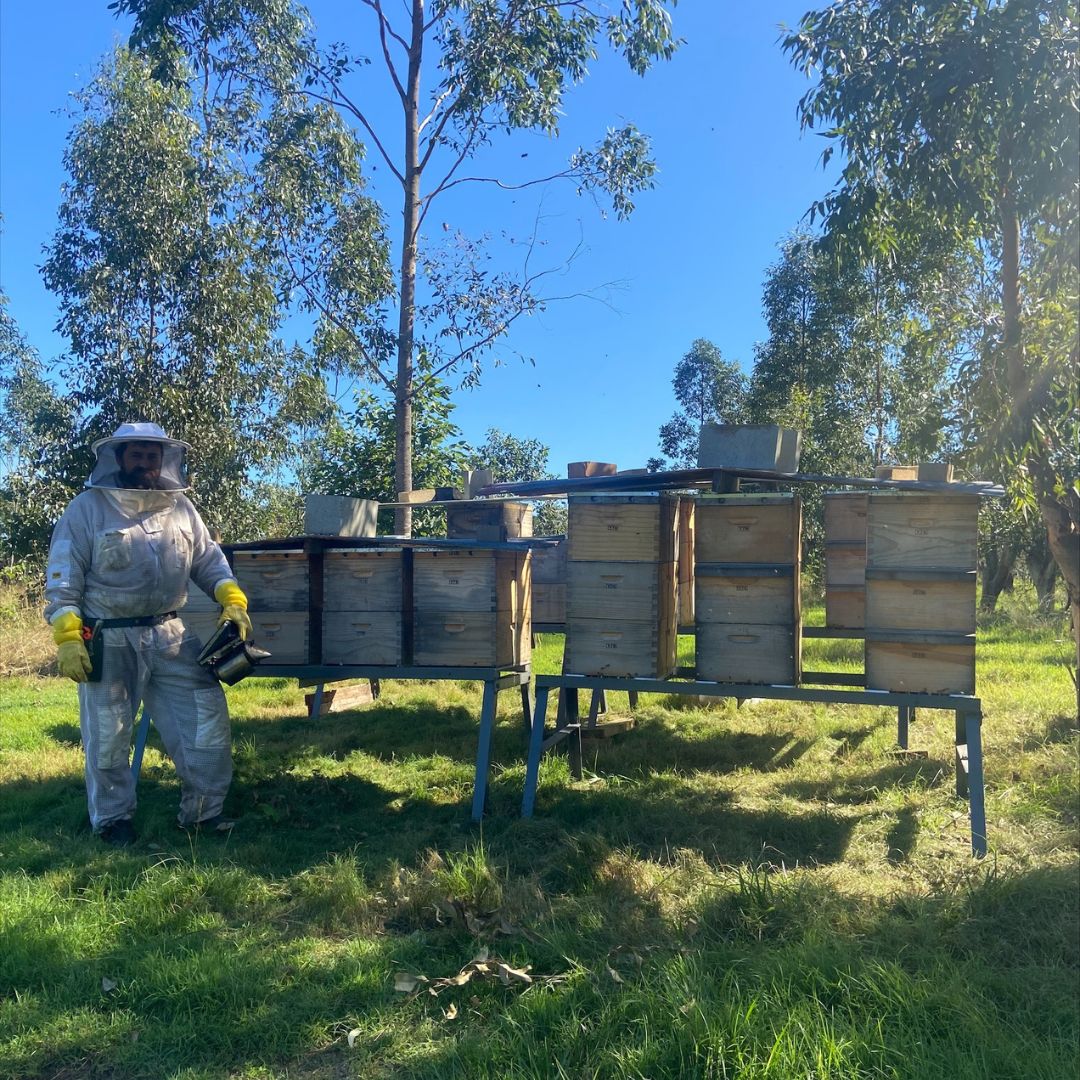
339,515
749,446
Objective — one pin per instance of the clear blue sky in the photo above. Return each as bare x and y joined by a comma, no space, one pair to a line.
735,177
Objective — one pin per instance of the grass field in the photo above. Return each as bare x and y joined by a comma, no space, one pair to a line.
761,892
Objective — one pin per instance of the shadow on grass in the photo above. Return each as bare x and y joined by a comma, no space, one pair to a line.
65,734
866,786
660,815
1059,729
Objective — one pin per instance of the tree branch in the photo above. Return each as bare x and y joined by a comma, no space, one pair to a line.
384,28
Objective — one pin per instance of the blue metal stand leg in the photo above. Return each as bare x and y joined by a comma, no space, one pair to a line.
526,707
903,718
316,702
977,791
483,749
961,760
140,743
536,746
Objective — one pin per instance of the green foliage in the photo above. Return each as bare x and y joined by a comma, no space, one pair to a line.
512,459
959,121
708,389
488,68
950,106
186,220
41,459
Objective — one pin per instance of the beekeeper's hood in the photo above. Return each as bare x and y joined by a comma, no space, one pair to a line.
108,474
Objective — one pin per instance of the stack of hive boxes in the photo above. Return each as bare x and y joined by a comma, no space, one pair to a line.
549,584
920,593
747,610
621,604
845,559
472,607
276,585
362,606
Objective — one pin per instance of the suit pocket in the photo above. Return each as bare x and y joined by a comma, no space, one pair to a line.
112,550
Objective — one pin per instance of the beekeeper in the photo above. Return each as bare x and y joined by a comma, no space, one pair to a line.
120,561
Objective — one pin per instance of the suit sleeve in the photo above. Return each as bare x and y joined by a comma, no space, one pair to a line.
70,552
209,567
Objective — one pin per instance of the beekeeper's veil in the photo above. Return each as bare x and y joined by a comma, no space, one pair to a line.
107,469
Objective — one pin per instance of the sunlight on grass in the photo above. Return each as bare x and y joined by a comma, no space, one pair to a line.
765,891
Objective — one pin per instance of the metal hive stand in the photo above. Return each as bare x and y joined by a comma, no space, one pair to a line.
967,711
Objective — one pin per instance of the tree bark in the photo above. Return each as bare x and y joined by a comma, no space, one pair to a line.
403,384
997,568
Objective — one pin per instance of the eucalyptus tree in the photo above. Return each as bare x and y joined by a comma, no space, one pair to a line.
184,223
708,389
353,454
514,458
39,451
968,112
462,75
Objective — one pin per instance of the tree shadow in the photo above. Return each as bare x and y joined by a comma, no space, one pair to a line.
865,786
1059,729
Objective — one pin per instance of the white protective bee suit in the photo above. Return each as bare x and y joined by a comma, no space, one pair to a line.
122,553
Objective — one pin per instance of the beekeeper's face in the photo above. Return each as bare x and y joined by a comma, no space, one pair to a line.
140,465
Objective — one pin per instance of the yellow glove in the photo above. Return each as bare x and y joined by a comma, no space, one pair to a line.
233,607
71,656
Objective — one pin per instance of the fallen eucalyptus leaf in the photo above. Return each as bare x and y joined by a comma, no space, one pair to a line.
352,1037
451,1012
108,985
615,976
509,975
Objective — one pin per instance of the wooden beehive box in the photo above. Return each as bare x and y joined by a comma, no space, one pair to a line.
920,592
749,653
747,593
915,530
845,516
920,662
628,648
488,519
747,607
276,586
845,559
472,607
942,601
687,512
621,596
273,580
548,603
362,606
284,634
747,528
622,528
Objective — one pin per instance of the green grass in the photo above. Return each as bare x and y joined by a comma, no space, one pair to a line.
761,892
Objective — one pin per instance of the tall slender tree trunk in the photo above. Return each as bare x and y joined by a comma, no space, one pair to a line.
1062,521
403,385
